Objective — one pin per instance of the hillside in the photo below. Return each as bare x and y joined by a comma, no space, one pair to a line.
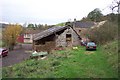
70,63
60,24
75,63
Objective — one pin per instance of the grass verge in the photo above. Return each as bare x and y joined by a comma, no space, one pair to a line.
69,63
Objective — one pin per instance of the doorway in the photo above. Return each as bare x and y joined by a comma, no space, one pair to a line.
69,39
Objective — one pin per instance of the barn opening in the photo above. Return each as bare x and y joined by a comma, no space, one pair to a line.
69,39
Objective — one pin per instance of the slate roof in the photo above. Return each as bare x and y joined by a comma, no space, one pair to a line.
48,32
79,24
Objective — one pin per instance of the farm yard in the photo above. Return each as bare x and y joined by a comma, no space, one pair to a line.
59,45
17,55
69,63
66,58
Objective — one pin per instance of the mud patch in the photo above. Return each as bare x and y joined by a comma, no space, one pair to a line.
28,51
89,52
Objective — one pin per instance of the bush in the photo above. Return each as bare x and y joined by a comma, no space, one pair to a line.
106,32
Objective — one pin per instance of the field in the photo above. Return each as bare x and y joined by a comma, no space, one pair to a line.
69,63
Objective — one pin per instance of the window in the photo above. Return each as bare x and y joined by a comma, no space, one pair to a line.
79,31
28,35
68,37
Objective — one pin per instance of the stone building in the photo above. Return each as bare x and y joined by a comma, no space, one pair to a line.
64,36
82,27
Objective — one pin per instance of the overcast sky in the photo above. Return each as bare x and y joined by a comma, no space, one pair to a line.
49,11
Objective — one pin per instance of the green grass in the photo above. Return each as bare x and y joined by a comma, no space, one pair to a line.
111,52
60,24
69,64
27,43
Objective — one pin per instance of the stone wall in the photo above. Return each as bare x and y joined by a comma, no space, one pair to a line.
48,46
61,39
75,39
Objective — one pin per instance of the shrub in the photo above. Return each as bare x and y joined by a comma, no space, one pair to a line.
105,33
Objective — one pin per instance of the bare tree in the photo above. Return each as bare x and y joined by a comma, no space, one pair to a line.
115,4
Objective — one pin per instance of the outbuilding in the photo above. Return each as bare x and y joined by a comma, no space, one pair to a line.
59,36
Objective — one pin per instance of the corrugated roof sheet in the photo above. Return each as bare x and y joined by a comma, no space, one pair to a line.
48,32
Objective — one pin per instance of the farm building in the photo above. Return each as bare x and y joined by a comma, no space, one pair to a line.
82,27
62,36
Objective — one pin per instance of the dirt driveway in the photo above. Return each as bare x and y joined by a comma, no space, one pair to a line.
17,55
